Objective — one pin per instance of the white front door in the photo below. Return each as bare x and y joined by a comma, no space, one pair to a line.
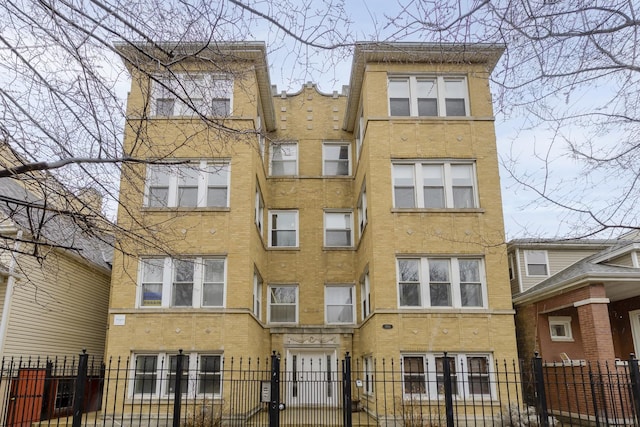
312,378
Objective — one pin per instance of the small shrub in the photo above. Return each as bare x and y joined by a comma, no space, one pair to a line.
515,416
202,415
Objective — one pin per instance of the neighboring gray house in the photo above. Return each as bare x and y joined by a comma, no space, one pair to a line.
54,270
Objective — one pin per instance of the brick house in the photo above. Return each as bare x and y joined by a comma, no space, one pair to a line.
366,221
577,300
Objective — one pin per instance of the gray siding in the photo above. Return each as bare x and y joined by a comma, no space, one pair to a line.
559,259
625,260
58,308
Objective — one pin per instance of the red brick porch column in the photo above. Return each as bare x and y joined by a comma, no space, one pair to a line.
595,327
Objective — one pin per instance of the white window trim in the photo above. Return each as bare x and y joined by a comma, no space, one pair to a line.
324,158
362,210
353,305
368,373
418,182
456,299
441,93
271,212
526,262
162,372
258,284
365,296
279,143
171,85
259,211
269,304
561,321
460,362
201,166
167,283
350,229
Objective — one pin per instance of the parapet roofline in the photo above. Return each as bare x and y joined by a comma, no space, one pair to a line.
413,52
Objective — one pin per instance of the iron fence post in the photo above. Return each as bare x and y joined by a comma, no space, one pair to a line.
177,389
274,404
346,388
78,394
541,396
634,372
448,389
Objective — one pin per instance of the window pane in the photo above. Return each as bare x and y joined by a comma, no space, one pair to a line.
537,269
283,238
212,294
338,237
340,314
221,107
403,186
440,294
454,97
439,270
469,270
433,182
152,270
151,294
471,294
183,271
462,182
283,313
182,294
285,295
165,106
410,294
217,197
210,375
455,107
171,376
440,375
188,196
158,183
399,107
145,375
463,197
414,377
214,270
158,197
427,98
399,97
409,270
478,375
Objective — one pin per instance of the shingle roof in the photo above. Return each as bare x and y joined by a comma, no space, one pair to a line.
59,228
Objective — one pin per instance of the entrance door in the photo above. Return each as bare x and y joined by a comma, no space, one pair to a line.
312,378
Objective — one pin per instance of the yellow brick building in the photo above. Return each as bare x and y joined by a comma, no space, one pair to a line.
366,221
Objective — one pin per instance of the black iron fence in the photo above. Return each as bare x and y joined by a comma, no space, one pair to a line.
182,390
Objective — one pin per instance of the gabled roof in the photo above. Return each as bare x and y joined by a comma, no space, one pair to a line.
23,210
588,270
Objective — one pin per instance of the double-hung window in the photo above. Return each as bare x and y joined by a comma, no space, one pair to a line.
336,159
192,94
155,375
283,304
283,229
439,185
537,263
188,282
424,375
284,159
193,184
339,304
441,282
423,96
337,229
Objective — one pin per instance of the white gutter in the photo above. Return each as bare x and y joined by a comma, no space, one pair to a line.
11,281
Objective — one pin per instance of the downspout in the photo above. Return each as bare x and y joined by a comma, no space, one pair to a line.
11,281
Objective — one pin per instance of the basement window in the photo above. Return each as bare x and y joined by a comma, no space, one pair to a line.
560,328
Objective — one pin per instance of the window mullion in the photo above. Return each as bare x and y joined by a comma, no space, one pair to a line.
167,281
418,185
456,297
413,96
198,278
442,111
203,177
448,185
172,198
424,282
